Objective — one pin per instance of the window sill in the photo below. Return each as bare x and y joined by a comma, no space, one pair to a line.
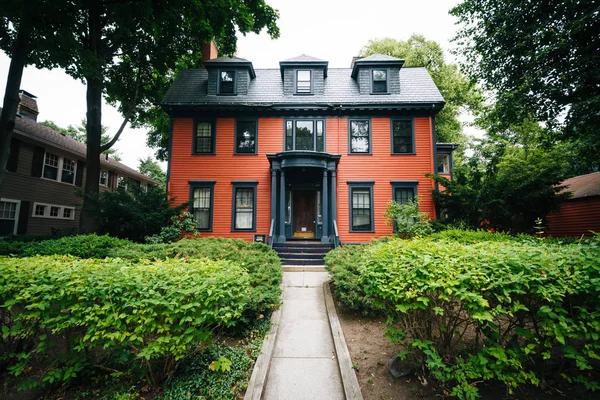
304,94
403,154
245,154
243,230
204,154
371,231
360,154
380,93
56,181
226,94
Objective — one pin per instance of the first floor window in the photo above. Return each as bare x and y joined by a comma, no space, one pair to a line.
403,195
245,137
53,211
39,210
361,208
203,143
9,213
402,136
360,136
202,207
244,206
103,178
8,210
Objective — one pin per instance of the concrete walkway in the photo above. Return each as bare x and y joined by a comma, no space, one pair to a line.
304,364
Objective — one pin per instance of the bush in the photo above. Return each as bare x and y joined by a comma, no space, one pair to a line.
407,220
84,246
499,309
150,311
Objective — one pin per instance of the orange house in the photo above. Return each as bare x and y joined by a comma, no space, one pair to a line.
302,151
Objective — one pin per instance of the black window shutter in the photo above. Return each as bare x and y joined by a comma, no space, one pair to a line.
23,218
111,178
38,162
13,158
79,174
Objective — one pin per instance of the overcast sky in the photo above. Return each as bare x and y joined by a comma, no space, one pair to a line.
334,30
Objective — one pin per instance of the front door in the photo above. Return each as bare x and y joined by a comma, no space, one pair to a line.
304,214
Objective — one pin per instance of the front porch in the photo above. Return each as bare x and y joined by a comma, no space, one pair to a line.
303,195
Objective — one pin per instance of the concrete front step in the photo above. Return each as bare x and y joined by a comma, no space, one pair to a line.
316,256
304,268
302,261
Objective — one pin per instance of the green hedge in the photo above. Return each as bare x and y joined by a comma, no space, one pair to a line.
148,310
84,246
498,309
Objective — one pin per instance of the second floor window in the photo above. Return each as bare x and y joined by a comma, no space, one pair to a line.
245,137
402,136
303,81
204,138
360,136
58,168
305,135
227,82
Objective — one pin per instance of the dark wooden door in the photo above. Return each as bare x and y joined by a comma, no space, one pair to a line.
304,210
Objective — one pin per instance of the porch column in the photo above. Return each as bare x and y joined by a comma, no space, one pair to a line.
325,211
282,207
333,197
273,201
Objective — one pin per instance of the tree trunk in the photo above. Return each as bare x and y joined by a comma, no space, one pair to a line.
11,96
95,88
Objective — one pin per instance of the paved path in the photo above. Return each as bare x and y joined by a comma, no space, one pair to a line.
304,365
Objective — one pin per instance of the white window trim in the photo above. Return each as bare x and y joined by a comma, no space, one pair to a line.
47,211
100,178
60,169
124,179
17,211
445,163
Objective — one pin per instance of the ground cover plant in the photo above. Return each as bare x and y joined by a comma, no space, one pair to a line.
131,311
513,309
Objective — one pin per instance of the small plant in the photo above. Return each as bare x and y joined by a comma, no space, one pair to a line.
370,381
223,364
181,224
356,367
407,220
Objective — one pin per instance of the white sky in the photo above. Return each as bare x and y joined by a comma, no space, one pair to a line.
333,30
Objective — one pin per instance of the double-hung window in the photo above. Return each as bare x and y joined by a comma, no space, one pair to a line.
443,163
403,136
359,136
303,81
404,191
305,134
361,206
201,203
245,137
244,206
227,82
204,138
103,178
59,168
9,213
379,80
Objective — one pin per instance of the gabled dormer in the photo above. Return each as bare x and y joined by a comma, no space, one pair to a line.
229,76
377,74
303,75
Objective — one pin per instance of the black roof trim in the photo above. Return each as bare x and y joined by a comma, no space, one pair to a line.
446,146
383,63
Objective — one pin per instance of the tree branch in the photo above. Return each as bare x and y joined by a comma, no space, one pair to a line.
112,142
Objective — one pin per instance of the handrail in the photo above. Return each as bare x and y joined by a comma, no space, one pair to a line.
270,239
336,235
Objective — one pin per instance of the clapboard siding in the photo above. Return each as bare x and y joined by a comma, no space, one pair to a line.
576,217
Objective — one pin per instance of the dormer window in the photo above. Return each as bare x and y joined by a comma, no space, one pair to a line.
380,84
227,82
304,81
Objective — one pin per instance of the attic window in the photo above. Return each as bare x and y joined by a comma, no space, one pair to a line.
227,82
303,81
379,80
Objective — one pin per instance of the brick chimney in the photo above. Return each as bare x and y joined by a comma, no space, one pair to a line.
27,105
209,52
355,59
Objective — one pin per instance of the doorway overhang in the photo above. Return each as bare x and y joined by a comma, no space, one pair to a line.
311,159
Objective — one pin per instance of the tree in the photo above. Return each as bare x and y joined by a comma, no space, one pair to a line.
149,167
79,133
539,59
460,93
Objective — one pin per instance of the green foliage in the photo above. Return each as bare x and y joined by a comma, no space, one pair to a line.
146,311
150,167
504,186
133,213
546,66
460,94
85,246
502,308
181,224
407,220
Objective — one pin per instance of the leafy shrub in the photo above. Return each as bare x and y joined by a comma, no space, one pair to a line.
473,236
85,246
180,225
407,220
150,311
343,264
492,310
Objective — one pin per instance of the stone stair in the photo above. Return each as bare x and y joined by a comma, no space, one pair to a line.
304,252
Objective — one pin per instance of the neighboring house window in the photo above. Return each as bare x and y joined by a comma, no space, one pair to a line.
56,166
304,134
201,203
103,178
380,84
8,210
402,136
244,206
443,163
361,207
144,187
204,139
359,133
303,81
226,82
9,213
122,182
245,137
53,211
